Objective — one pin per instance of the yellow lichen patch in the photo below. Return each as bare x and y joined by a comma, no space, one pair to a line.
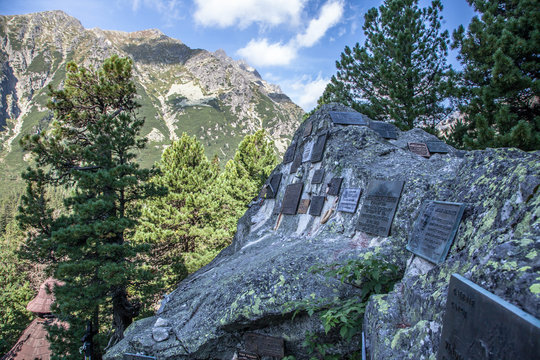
535,288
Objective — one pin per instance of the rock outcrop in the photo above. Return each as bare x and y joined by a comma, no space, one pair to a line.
246,287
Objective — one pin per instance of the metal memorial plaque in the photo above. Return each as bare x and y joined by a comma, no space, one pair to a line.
386,130
307,129
306,155
318,148
273,186
317,203
289,154
437,147
419,149
435,229
379,207
318,176
334,185
304,206
296,163
480,325
128,356
291,198
349,200
244,355
264,345
348,118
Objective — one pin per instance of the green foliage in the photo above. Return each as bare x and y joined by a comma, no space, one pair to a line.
400,73
90,148
499,87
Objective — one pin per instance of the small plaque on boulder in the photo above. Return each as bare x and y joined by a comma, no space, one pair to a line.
435,229
318,148
349,200
296,163
304,206
306,156
318,176
334,185
386,130
379,207
317,203
264,345
289,154
272,186
480,325
348,118
128,356
291,198
419,149
437,147
307,129
244,355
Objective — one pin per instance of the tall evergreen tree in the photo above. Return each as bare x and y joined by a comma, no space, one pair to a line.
90,148
500,55
400,73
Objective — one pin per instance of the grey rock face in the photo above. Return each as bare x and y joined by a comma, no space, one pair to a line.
246,287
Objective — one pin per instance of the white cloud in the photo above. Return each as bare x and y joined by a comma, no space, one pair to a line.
262,53
225,13
304,91
329,16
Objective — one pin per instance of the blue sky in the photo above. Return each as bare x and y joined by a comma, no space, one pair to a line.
292,43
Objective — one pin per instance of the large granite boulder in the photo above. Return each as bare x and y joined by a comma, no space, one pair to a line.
246,287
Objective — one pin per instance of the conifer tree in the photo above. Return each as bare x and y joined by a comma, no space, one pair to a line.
500,57
400,73
89,148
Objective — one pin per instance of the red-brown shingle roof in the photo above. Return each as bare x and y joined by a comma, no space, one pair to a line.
42,302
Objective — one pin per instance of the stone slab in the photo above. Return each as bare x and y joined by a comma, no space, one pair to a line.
318,176
318,148
386,130
317,203
128,356
296,163
293,192
307,129
379,207
435,229
273,186
289,154
264,345
334,186
349,200
437,147
304,206
480,325
348,118
419,149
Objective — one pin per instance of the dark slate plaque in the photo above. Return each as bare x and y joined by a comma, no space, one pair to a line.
334,185
289,154
435,229
386,130
480,325
291,198
317,203
348,118
349,200
379,206
128,356
296,163
318,148
264,345
419,149
307,129
318,176
437,147
308,149
273,186
244,355
304,206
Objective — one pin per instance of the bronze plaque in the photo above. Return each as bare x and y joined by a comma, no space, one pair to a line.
480,325
349,200
306,155
304,206
272,186
128,356
386,130
435,229
307,129
379,207
437,147
419,149
296,163
291,198
317,203
289,154
244,355
318,176
334,185
318,148
264,345
348,118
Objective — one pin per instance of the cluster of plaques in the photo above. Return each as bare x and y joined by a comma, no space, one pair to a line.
264,345
291,198
435,229
379,207
128,356
348,118
349,200
480,325
386,130
419,149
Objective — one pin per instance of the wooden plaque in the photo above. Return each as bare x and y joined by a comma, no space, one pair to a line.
349,200
318,176
296,163
293,192
304,206
386,130
419,149
437,147
317,203
318,148
289,154
244,355
348,118
334,185
264,345
307,129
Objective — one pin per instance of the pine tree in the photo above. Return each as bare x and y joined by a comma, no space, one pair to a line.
89,148
499,53
400,73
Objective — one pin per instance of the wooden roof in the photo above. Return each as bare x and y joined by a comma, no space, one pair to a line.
45,297
33,343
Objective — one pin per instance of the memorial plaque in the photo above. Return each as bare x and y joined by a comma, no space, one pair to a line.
318,148
480,325
289,154
306,155
291,198
379,207
349,200
304,206
348,118
307,129
128,356
435,229
386,130
437,147
318,176
334,185
273,186
264,345
419,149
317,203
244,355
296,163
